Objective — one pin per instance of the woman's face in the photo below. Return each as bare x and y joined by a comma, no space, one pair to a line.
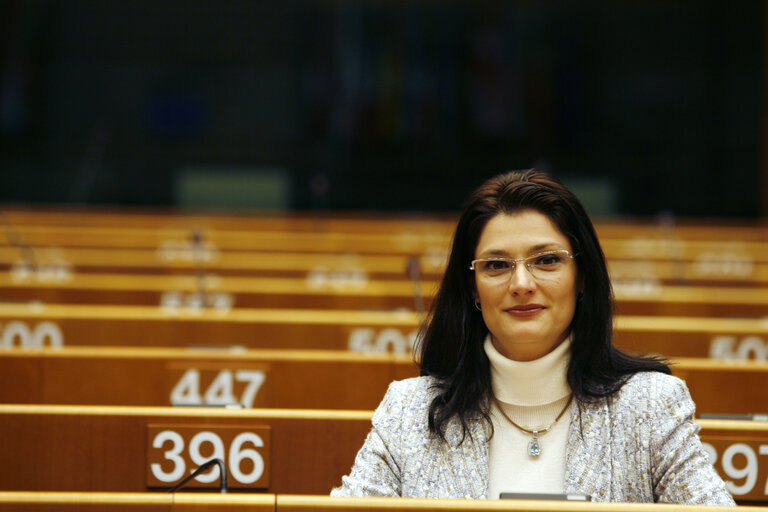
527,316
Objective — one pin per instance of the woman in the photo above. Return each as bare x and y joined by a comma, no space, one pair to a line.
521,387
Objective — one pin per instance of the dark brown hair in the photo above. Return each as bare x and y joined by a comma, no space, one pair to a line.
450,346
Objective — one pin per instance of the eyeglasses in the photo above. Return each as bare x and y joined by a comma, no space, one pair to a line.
542,266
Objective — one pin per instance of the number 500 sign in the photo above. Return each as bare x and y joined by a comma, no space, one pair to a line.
175,451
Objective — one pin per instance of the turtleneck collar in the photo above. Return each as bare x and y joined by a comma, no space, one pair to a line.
538,382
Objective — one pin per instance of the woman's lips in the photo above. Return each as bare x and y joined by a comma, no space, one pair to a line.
525,310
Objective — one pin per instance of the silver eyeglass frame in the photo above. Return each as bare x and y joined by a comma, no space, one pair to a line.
526,261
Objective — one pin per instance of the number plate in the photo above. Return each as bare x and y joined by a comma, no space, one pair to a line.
742,464
218,384
175,451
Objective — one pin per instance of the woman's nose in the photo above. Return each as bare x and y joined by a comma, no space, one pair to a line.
521,281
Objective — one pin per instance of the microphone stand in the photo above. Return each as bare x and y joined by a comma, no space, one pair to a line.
205,466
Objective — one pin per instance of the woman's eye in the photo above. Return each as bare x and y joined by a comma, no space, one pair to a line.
548,260
496,266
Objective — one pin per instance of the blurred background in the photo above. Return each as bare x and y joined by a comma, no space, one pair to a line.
643,108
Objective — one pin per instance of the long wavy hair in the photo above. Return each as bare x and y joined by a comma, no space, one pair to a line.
450,345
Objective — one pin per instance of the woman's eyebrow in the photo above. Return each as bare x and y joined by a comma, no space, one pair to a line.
531,250
547,245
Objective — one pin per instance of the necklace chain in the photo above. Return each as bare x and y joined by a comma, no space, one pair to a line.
528,431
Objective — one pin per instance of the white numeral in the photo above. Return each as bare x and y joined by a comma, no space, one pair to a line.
193,302
749,471
366,340
173,455
728,347
763,450
220,391
187,390
254,379
31,338
199,459
324,278
236,455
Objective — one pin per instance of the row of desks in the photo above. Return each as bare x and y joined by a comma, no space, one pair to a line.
266,292
378,247
355,222
131,449
285,378
277,445
57,325
153,502
183,223
706,269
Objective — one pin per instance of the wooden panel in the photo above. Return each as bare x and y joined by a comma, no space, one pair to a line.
214,292
629,267
718,338
313,266
362,331
289,503
360,222
719,387
353,222
149,376
258,292
84,501
133,502
58,448
198,502
653,241
293,379
38,325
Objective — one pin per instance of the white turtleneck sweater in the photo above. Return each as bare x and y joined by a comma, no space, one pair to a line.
532,394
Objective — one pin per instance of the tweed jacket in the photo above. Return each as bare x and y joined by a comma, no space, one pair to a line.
640,445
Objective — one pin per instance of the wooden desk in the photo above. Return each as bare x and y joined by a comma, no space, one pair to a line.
351,222
255,292
628,266
725,387
58,448
34,326
150,376
185,502
61,448
736,256
287,503
285,378
13,501
363,222
216,292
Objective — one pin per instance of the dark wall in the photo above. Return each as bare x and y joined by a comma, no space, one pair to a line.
384,105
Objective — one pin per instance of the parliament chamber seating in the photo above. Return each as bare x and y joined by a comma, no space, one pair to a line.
106,317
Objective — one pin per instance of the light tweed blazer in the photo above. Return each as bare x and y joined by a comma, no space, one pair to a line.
641,445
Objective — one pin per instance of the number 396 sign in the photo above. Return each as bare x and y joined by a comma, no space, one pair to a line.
175,451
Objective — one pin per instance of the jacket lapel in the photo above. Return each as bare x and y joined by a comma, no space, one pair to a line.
465,465
588,457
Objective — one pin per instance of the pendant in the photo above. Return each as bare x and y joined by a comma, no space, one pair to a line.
534,448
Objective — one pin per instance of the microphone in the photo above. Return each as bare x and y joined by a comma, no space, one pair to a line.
414,272
198,259
28,263
203,467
